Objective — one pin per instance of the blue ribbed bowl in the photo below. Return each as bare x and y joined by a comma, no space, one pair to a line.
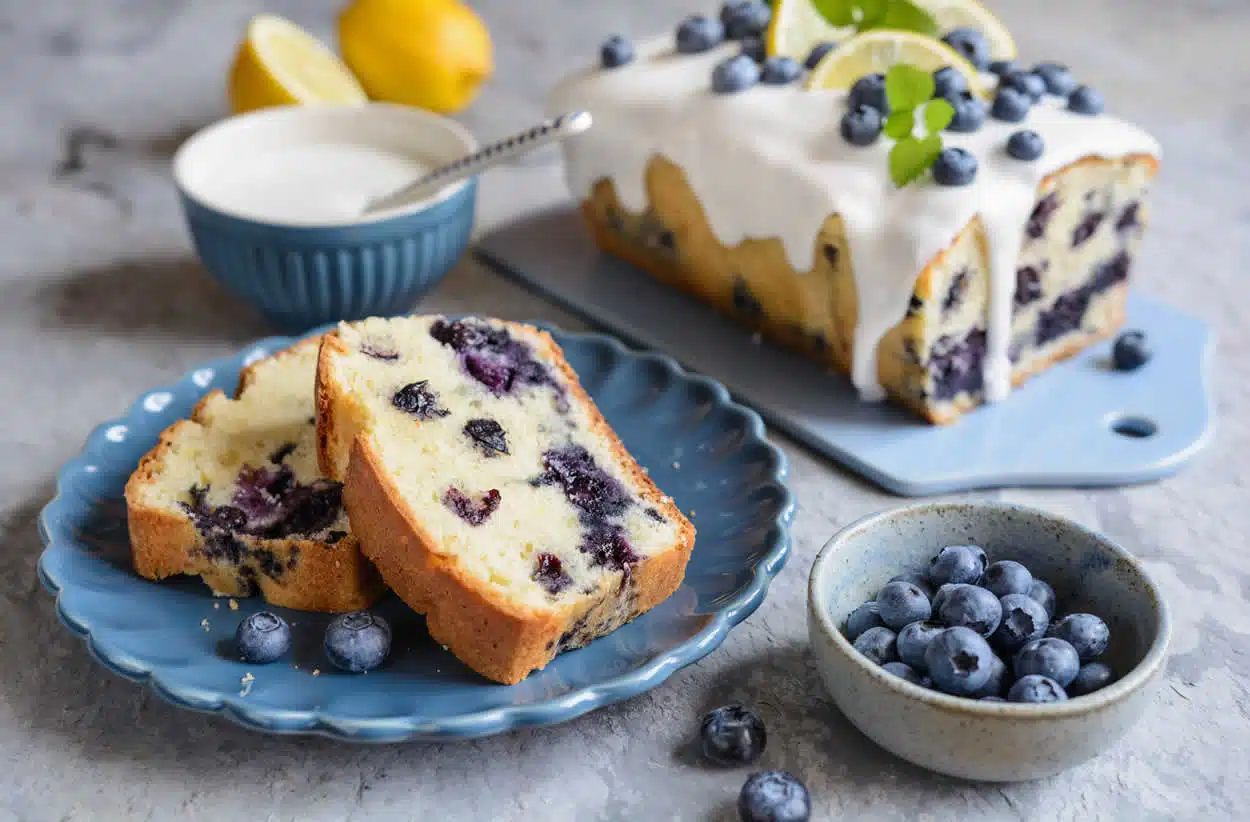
304,275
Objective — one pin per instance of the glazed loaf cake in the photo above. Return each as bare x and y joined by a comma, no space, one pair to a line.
234,496
489,491
941,297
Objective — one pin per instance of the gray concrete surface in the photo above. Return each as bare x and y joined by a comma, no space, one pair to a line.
101,298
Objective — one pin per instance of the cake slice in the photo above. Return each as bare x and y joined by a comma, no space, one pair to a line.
489,491
233,496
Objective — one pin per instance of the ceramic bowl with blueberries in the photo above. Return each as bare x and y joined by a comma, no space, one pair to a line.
987,641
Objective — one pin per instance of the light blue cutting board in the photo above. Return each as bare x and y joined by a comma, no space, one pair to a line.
1080,424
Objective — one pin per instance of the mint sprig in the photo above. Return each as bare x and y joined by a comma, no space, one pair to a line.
907,89
865,15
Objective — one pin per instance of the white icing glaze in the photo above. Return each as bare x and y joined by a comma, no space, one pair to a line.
769,162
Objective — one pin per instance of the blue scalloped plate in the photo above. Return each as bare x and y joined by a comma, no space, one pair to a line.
176,636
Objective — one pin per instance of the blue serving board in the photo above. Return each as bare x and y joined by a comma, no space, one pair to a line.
1079,424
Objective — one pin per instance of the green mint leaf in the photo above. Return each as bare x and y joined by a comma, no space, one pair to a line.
871,12
938,115
911,157
904,15
840,13
907,86
900,123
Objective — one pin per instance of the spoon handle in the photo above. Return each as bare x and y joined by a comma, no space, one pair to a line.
521,143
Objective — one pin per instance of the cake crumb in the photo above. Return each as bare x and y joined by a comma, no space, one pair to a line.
692,512
234,605
216,605
204,624
676,465
246,681
316,672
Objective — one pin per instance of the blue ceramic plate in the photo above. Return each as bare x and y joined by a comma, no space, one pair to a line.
707,452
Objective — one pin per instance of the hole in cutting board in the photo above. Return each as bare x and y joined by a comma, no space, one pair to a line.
1133,426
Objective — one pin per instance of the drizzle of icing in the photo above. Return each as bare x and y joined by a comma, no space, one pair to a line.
768,162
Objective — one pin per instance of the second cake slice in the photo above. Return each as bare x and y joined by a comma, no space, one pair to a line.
489,491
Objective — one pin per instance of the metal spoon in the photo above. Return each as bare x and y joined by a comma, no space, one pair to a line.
550,131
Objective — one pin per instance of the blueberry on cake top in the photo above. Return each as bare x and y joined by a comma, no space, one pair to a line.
233,495
488,489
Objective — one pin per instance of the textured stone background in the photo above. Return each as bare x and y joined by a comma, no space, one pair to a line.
100,298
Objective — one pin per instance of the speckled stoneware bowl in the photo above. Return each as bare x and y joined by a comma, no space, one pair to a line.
991,741
308,269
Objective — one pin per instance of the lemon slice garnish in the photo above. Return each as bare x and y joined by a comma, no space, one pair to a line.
875,51
958,14
278,63
797,28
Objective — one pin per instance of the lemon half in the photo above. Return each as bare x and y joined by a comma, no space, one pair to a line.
875,51
278,64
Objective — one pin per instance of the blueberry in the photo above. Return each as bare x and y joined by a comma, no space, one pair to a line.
1085,100
549,572
915,578
474,512
1085,632
774,796
1024,620
998,681
992,699
1025,145
358,641
735,74
778,71
698,33
488,435
745,18
1010,105
732,735
1007,577
616,51
959,661
942,593
971,606
755,48
878,644
1041,591
1130,351
913,641
263,637
904,671
1049,657
1091,677
901,603
861,619
957,564
1034,688
869,90
971,45
948,82
1025,82
861,126
417,399
969,113
1059,81
1002,67
818,53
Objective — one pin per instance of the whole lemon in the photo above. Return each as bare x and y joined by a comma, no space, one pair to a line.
433,54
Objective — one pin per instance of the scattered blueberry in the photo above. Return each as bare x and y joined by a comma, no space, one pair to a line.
915,578
1130,351
732,735
698,33
1035,688
971,45
1041,591
959,661
1026,82
1049,657
738,73
616,51
1091,677
1024,620
913,641
1010,105
998,682
869,90
1059,81
745,18
774,796
755,48
879,645
861,126
969,113
948,82
942,593
817,54
901,603
1007,577
1002,67
1085,100
971,606
958,564
1085,632
358,641
262,638
903,670
778,71
861,619
1025,145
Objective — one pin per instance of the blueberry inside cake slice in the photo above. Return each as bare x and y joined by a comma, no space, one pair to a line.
234,496
489,491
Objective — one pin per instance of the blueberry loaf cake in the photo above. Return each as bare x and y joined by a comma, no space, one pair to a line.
774,203
488,490
233,495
